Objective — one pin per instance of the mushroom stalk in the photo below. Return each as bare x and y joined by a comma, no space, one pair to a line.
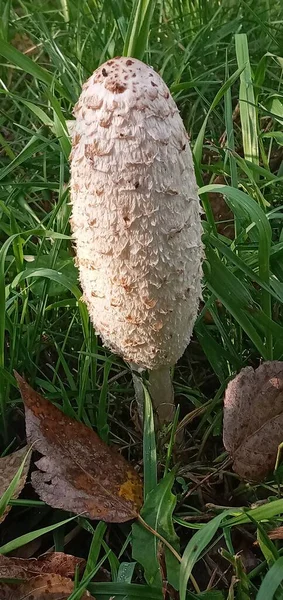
162,394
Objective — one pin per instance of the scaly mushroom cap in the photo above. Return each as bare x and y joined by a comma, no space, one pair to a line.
136,214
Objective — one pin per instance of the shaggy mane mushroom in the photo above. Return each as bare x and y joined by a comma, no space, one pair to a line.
136,220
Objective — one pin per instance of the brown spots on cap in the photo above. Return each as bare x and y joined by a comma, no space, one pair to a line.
125,284
126,219
129,62
106,122
133,320
153,84
87,264
149,302
76,139
94,103
115,302
104,72
110,62
167,95
115,87
94,149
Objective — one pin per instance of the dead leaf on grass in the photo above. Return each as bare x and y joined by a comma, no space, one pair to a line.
276,534
253,419
5,591
78,471
9,465
57,563
24,44
43,587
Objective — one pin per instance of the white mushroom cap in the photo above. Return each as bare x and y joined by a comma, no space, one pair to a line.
136,214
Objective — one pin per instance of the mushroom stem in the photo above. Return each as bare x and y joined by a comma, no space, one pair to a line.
162,394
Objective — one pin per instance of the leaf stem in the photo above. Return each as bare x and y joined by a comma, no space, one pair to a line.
160,537
168,545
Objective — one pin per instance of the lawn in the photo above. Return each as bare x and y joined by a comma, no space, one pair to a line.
203,530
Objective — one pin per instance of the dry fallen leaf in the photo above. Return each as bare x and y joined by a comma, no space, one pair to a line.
276,534
60,563
253,419
24,44
5,591
78,471
9,466
57,563
43,587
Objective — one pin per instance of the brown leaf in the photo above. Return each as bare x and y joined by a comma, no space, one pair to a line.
43,587
60,563
23,43
5,591
276,534
79,472
57,563
253,419
9,466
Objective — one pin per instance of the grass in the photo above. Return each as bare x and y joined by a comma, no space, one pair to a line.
210,54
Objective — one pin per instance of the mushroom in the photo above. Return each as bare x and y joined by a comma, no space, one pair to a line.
136,220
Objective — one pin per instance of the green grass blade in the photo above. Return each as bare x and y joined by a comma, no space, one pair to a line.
195,547
261,513
157,513
29,537
102,412
149,447
272,580
241,202
29,66
53,275
138,28
33,146
8,494
126,572
234,296
248,111
129,591
77,593
197,150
